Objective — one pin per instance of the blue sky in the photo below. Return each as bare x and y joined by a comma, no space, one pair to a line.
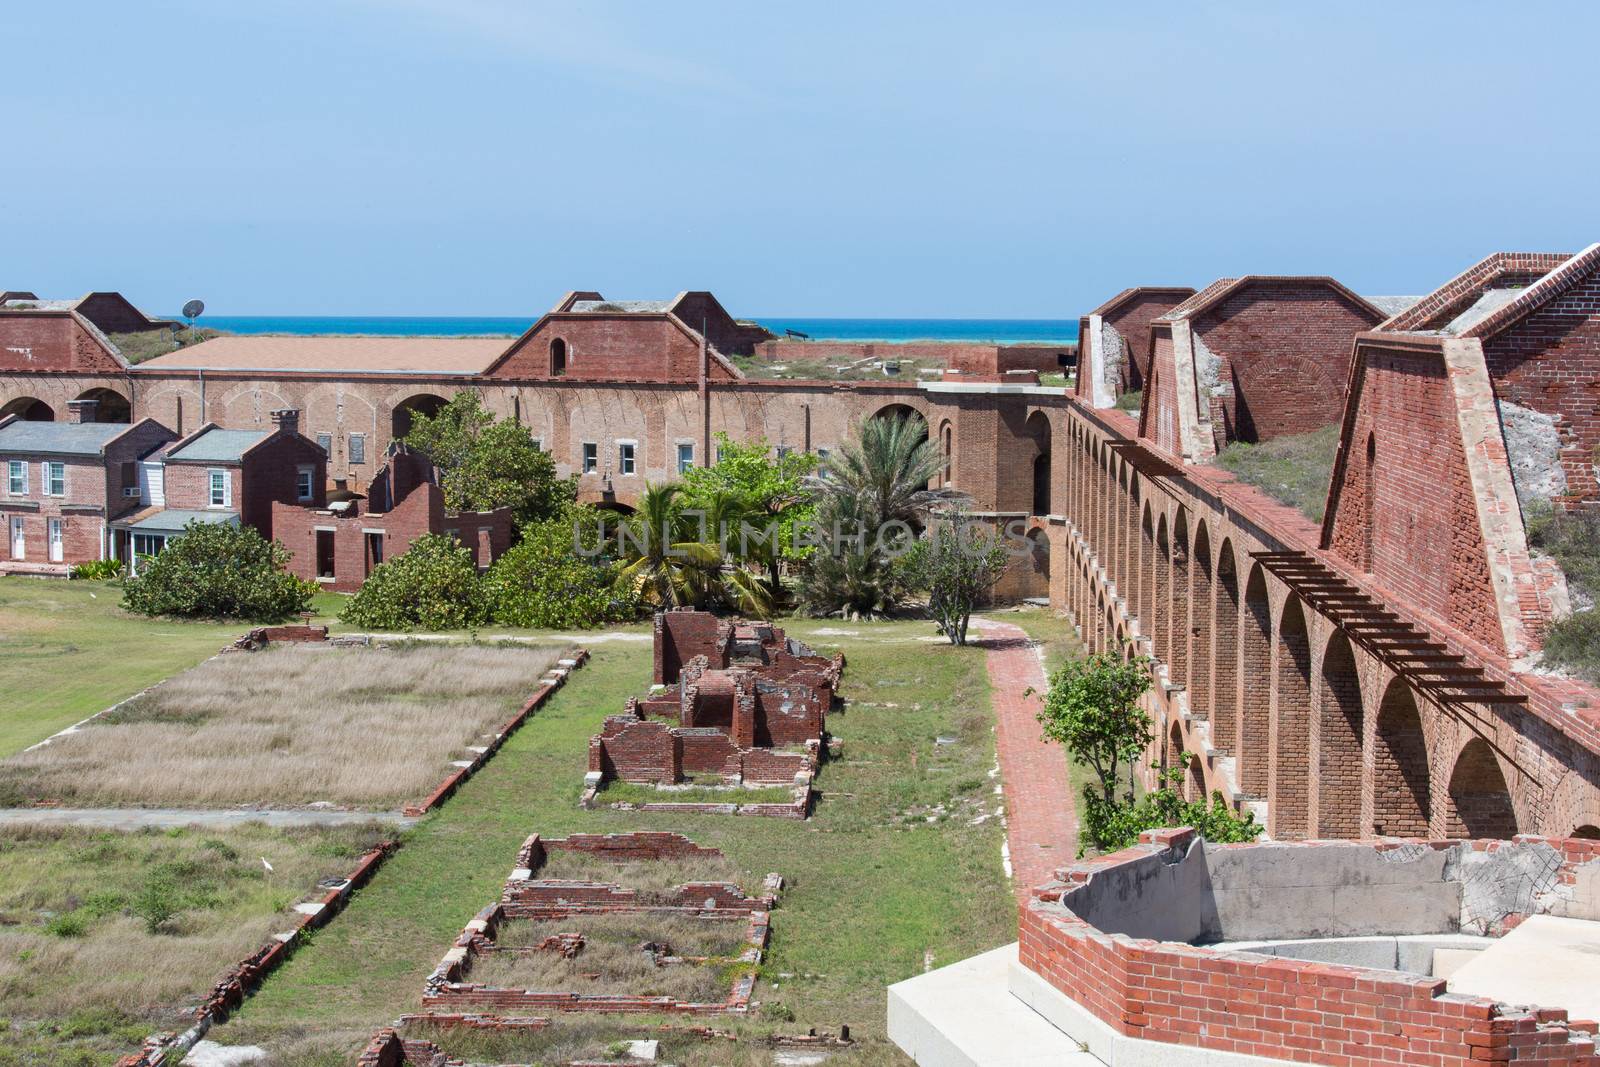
850,159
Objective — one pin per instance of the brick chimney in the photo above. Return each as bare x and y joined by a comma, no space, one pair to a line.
82,410
286,420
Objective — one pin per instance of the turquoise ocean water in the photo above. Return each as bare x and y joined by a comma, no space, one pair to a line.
1005,331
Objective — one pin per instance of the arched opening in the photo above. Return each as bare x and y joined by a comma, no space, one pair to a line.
1225,658
615,506
1131,549
1038,564
1480,803
1340,731
110,405
30,408
1174,754
1160,621
1038,429
1197,779
947,453
905,413
1400,803
1291,809
1178,618
1147,566
1368,515
421,404
1255,667
1200,630
1587,832
558,357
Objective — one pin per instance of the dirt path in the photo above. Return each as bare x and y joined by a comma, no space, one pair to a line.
1041,819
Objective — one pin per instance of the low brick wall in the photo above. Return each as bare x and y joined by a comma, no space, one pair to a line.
553,681
1082,934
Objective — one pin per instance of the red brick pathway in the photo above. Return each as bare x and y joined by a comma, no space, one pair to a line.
1041,820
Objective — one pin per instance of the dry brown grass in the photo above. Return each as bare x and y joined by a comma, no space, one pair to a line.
291,725
652,878
613,959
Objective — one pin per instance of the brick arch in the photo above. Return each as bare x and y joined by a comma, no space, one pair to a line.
947,452
250,404
1131,550
1255,674
1480,803
1178,627
1147,566
175,405
1340,732
400,414
1196,779
31,408
1174,750
1574,804
1119,529
1200,641
1401,805
1291,771
1587,832
1161,613
1224,635
112,405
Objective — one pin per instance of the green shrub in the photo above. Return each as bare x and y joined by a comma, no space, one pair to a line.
1572,539
158,900
1115,824
97,570
544,582
1130,401
218,570
1574,644
433,586
68,924
1294,469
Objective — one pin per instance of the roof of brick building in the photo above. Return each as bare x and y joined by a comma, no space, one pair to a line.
219,446
1477,293
1222,288
59,438
347,355
622,305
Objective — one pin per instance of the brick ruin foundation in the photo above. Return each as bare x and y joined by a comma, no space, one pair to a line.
450,989
1219,947
738,703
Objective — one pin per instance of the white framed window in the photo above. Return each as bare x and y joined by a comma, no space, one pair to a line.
358,448
17,480
626,452
221,489
591,456
304,482
55,479
538,444
685,456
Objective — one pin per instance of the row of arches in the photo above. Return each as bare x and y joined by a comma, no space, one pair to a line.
1277,702
110,406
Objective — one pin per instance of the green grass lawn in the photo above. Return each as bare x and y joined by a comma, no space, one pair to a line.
898,870
1293,470
67,651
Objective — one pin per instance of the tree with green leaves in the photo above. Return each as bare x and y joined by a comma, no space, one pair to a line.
486,463
433,586
1092,710
872,496
218,570
669,560
957,561
752,483
559,575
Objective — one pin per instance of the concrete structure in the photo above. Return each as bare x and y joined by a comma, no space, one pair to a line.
1176,952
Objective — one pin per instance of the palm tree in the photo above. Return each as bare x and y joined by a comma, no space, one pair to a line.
878,479
882,476
670,562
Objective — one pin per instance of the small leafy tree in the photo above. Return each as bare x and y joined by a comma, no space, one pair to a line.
218,570
750,482
433,586
545,581
958,561
486,463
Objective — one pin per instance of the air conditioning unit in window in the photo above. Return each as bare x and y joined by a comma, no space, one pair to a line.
130,490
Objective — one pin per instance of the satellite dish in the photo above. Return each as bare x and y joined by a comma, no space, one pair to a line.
193,309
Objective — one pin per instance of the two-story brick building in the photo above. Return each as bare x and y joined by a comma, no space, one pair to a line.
65,483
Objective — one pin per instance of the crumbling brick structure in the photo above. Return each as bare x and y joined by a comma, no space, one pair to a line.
737,701
1113,342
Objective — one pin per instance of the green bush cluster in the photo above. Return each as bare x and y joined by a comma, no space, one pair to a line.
541,582
218,570
1572,539
96,570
